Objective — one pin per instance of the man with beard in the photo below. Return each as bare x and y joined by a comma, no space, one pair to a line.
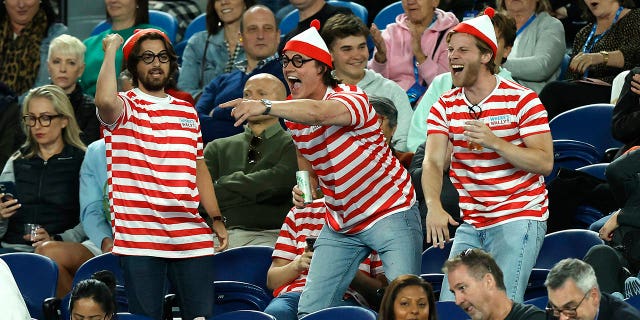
370,201
478,285
157,178
502,150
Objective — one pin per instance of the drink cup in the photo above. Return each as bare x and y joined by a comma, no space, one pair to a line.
474,146
31,229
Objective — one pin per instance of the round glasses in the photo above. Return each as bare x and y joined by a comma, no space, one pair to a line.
148,56
296,60
45,119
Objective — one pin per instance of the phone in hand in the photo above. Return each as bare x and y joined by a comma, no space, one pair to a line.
9,190
310,242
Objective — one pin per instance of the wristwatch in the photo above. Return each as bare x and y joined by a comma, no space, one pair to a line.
267,104
223,219
605,57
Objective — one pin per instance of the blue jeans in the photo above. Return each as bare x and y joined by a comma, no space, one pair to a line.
396,238
285,306
514,245
147,281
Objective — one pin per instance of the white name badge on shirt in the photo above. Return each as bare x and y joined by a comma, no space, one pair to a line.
188,123
495,121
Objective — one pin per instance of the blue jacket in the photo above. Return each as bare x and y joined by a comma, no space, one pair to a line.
93,197
217,122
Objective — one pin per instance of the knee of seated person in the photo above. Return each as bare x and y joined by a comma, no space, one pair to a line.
49,249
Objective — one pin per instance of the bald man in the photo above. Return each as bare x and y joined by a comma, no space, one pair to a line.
253,171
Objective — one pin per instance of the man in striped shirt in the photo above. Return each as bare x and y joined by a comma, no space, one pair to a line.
368,194
502,149
157,178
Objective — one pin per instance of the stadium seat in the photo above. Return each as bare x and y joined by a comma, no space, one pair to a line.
433,258
36,277
342,312
572,154
246,264
235,295
586,215
540,302
388,15
160,19
634,301
244,315
535,286
573,243
590,124
196,25
448,310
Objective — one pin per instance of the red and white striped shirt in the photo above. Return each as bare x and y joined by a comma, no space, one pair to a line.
300,224
492,191
361,179
151,162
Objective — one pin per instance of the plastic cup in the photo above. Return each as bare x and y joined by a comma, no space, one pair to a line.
31,229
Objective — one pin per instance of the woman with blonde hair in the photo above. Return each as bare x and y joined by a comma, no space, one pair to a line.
46,172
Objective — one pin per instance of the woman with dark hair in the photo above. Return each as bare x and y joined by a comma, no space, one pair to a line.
601,50
94,298
26,29
125,16
408,296
215,50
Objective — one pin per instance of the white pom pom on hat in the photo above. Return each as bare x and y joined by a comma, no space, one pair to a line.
482,28
310,43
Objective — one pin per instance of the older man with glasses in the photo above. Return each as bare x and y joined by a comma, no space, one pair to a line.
573,293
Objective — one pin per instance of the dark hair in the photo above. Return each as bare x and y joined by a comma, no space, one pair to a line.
506,25
403,281
479,264
45,5
328,77
386,108
100,288
341,26
132,59
213,21
142,12
588,16
541,6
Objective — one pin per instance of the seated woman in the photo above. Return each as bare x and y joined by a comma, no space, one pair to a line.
46,176
66,65
26,29
214,51
125,16
94,298
537,53
601,50
408,295
412,50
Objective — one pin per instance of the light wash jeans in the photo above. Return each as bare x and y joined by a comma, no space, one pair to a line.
396,238
285,306
514,245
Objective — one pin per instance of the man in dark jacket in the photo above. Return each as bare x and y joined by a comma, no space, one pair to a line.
574,294
11,136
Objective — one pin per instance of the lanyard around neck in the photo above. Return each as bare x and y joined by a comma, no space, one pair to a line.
586,48
526,24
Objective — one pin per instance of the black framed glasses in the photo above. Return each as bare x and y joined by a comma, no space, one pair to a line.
254,155
45,119
148,56
568,312
475,111
296,60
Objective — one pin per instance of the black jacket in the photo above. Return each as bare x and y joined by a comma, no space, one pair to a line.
48,192
614,308
84,110
626,115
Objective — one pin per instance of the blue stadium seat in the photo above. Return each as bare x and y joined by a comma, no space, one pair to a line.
196,25
236,295
160,19
246,264
244,315
586,215
572,243
343,312
388,15
36,277
448,310
634,301
433,258
540,302
590,124
572,154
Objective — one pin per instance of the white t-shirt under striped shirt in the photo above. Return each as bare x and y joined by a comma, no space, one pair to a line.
151,161
492,191
300,224
361,179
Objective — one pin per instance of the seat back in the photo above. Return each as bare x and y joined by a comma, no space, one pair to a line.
290,21
246,264
540,302
196,25
448,310
244,315
343,312
590,124
572,243
166,22
433,258
236,295
388,15
36,277
101,26
634,301
572,154
597,170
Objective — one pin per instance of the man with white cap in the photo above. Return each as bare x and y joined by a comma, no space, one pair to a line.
371,204
502,150
157,179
